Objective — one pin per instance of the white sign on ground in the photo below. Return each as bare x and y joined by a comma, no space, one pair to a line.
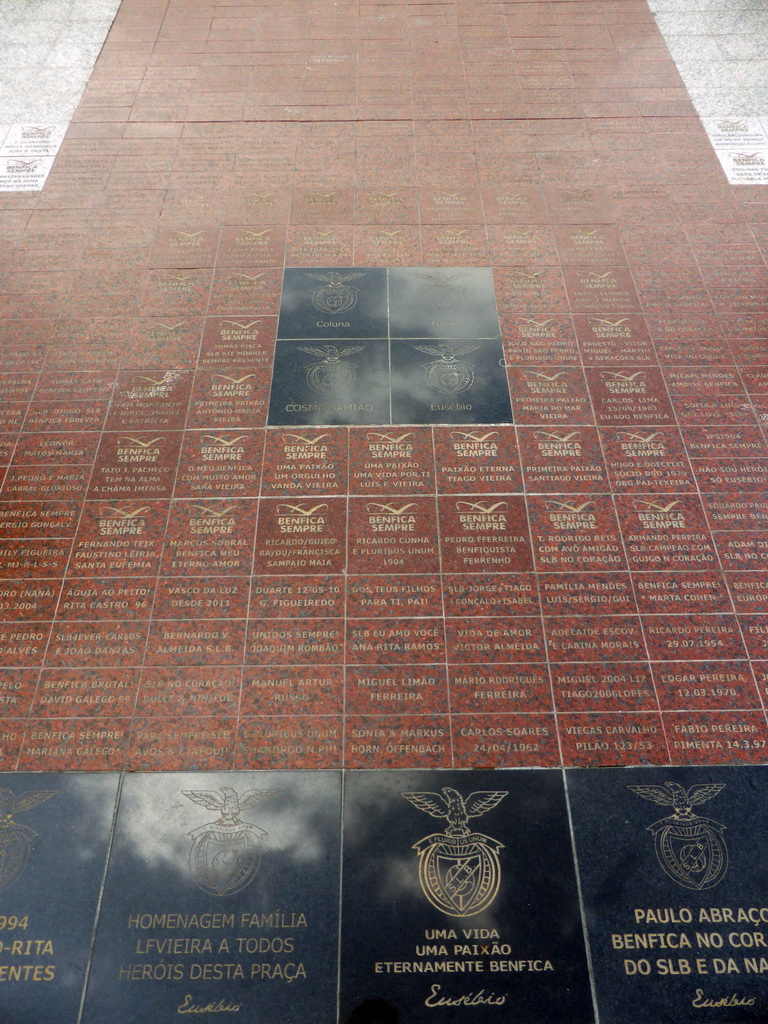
745,166
33,140
730,132
24,174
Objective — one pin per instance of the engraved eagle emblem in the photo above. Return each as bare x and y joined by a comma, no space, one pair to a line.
690,849
226,853
16,839
681,800
456,809
459,870
229,804
330,374
448,374
335,296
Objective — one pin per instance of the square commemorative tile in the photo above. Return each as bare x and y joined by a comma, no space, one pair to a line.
449,382
56,830
221,897
332,305
450,302
24,173
26,140
323,383
471,921
671,875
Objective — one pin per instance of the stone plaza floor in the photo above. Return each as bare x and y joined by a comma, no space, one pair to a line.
383,397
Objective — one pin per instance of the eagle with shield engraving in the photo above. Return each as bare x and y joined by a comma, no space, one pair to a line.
691,849
459,870
16,838
226,853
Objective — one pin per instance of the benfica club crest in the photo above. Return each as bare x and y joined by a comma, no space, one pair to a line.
330,374
225,853
16,839
335,296
446,291
448,374
690,849
459,870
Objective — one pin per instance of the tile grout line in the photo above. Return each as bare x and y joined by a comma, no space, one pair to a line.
102,886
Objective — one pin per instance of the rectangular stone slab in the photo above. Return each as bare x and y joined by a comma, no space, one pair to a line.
333,304
441,381
674,879
221,899
330,384
442,302
53,850
443,926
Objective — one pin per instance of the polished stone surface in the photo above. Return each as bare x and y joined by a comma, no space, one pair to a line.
469,877
330,384
54,842
361,896
444,381
673,876
188,584
442,303
397,317
323,304
596,564
222,892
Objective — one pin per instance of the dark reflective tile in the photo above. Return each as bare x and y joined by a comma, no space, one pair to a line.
330,383
53,848
673,877
451,302
459,900
331,305
449,382
221,898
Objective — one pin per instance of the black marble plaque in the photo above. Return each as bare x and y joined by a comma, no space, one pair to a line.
449,381
397,345
332,304
221,901
459,900
54,833
442,302
330,383
674,878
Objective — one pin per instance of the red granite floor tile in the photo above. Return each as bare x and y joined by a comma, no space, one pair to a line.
529,340
273,741
87,693
515,740
516,244
614,687
386,206
186,587
716,737
549,395
561,461
249,246
603,738
202,743
228,398
244,290
530,290
75,744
